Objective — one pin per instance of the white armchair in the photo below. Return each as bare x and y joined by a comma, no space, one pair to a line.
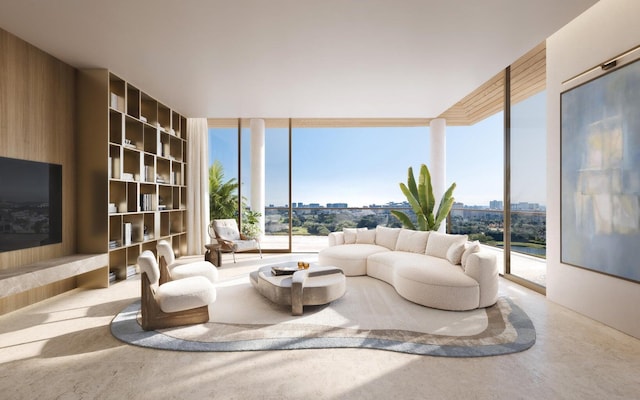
227,234
180,302
171,269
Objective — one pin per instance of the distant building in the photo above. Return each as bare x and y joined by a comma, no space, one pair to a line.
337,205
496,205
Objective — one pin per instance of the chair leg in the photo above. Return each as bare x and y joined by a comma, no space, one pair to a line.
260,249
233,253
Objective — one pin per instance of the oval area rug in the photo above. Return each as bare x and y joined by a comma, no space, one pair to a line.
370,315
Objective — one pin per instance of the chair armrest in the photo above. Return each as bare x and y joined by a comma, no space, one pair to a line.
336,238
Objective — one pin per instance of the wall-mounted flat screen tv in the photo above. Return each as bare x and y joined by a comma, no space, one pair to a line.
30,204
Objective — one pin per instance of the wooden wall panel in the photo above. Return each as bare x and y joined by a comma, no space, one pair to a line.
37,123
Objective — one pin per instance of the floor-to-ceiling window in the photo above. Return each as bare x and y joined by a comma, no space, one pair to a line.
349,177
528,188
223,169
475,163
272,180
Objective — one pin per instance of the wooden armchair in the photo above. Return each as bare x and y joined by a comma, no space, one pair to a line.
227,234
175,303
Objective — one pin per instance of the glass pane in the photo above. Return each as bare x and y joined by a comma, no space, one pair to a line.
528,188
475,163
270,180
348,177
223,172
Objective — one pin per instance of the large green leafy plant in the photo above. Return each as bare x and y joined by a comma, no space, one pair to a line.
223,198
420,197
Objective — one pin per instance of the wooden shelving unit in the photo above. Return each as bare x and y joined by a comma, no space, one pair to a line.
131,171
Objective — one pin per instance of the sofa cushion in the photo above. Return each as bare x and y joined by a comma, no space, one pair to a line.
351,234
437,284
454,253
412,241
352,258
382,265
366,237
387,237
469,248
439,243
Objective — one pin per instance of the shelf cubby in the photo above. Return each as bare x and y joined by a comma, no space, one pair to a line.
118,195
163,171
164,117
133,133
165,224
117,93
115,127
165,197
131,165
148,171
150,139
114,161
175,124
149,227
132,197
183,198
137,226
133,101
148,109
175,148
148,197
115,229
118,262
177,222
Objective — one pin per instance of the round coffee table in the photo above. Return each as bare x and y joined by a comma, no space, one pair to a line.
305,287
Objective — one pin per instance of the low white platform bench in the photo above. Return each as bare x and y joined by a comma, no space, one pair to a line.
89,270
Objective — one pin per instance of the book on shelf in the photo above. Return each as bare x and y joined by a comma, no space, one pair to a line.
131,270
146,202
127,230
127,176
114,244
147,172
117,102
112,277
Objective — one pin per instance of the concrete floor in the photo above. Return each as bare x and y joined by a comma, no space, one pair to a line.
62,349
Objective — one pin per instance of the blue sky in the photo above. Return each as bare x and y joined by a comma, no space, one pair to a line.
363,166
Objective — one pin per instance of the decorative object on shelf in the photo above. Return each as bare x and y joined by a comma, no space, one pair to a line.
420,197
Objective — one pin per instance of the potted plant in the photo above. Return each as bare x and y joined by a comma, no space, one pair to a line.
251,224
420,197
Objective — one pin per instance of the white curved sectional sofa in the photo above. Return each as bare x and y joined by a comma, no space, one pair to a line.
429,268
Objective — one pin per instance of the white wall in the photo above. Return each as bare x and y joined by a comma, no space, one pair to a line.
604,31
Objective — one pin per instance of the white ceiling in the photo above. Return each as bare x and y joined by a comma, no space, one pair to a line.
294,58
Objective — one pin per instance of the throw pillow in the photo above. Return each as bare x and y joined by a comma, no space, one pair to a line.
412,241
366,237
469,248
387,237
454,253
350,234
439,243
